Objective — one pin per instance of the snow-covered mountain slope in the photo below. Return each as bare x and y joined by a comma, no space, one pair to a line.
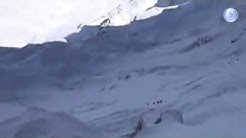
178,74
28,21
38,21
37,122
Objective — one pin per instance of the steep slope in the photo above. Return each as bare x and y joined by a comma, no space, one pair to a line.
179,74
43,21
37,122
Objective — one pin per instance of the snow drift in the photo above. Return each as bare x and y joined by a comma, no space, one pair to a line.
112,78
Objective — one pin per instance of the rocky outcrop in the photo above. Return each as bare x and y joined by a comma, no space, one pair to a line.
158,120
138,128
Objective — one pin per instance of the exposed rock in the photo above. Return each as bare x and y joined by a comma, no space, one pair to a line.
105,23
201,41
158,120
127,76
138,128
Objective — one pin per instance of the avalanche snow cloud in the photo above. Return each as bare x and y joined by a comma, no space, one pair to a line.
178,74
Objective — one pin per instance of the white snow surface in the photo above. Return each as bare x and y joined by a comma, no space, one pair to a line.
178,74
27,21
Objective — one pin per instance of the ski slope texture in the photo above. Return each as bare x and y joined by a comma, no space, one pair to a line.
178,73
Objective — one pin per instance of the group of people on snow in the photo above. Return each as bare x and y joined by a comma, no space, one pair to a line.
159,102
